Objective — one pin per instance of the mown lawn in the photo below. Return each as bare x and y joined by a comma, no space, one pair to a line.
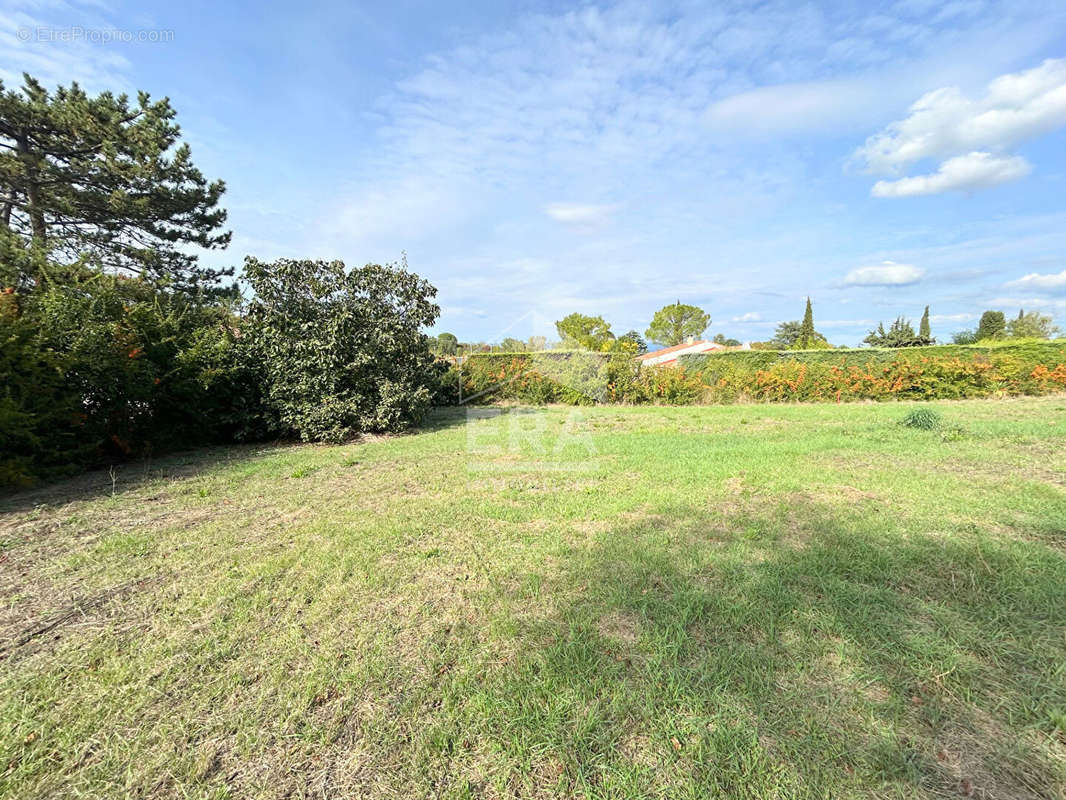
745,601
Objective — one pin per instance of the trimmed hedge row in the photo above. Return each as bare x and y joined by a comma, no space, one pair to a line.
554,376
937,372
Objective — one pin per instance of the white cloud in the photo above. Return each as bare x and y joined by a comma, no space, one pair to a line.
791,107
971,135
1034,281
945,122
887,273
580,215
25,48
1030,303
750,316
961,173
964,317
386,211
493,151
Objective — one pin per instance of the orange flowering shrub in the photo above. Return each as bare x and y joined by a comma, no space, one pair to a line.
927,373
833,376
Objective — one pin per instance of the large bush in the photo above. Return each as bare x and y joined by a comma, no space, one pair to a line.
98,368
342,350
37,414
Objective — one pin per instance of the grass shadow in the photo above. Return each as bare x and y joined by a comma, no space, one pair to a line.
125,477
799,652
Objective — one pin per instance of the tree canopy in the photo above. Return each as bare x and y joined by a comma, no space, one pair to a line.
105,180
635,341
513,345
993,325
447,344
789,336
1031,325
807,333
899,334
675,323
588,333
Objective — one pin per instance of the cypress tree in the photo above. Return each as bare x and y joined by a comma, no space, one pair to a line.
924,332
807,327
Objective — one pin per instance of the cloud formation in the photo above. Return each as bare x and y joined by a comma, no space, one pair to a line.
1034,281
887,273
791,107
1030,303
607,158
580,215
961,173
972,135
25,47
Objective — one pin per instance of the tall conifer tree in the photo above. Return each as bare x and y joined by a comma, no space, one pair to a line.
807,334
924,331
106,180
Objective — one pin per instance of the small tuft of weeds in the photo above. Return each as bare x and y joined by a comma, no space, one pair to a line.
302,472
925,419
1058,719
953,434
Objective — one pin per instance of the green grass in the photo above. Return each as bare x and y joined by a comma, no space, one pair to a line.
745,601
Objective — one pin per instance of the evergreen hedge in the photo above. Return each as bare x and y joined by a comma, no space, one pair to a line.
1029,367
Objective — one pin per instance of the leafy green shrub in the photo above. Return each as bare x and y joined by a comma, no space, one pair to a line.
100,368
922,418
342,351
36,412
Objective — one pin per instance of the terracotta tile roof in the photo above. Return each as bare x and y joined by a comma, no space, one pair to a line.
682,346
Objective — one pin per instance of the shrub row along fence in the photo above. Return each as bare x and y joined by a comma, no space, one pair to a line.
938,372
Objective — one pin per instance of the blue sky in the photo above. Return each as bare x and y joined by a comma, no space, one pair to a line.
535,159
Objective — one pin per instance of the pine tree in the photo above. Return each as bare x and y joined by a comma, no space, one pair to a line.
899,334
924,332
676,323
107,180
807,333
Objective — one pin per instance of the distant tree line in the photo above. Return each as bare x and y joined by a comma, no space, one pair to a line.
994,326
678,322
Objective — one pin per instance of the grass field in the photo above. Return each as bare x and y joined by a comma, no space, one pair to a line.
744,601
